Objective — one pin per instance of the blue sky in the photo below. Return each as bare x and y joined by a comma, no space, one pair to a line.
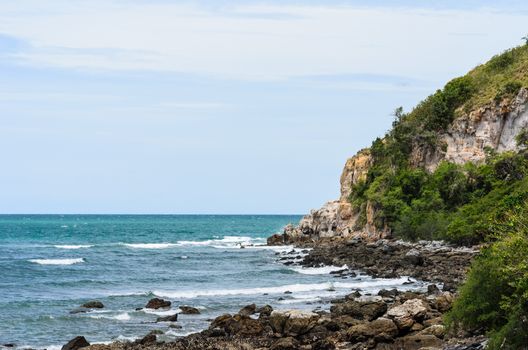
136,106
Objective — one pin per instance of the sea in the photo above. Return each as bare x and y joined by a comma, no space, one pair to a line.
51,264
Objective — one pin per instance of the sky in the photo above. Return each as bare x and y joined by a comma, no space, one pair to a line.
224,107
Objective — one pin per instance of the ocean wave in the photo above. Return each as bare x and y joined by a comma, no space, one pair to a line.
227,242
57,261
158,312
323,270
366,284
150,245
66,246
120,317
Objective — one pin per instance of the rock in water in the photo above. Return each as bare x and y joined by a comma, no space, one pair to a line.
94,304
76,343
171,318
189,310
157,303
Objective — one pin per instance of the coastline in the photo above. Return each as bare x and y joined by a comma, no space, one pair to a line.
392,319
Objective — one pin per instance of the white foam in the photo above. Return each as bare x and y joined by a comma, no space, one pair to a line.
371,284
161,312
120,317
323,270
57,261
73,246
150,245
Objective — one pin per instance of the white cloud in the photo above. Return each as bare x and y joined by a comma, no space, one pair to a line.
256,42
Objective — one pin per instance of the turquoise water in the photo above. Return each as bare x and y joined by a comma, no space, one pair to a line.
49,265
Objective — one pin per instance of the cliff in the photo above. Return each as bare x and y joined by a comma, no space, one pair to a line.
475,130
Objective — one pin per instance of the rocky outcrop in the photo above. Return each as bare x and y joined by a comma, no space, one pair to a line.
492,127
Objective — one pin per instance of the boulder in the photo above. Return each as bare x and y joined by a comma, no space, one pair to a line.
220,321
189,310
444,301
275,239
406,314
248,310
382,329
293,322
413,257
157,303
237,325
388,293
363,310
437,330
93,304
76,343
149,339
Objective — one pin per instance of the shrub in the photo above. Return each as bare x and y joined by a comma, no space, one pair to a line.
495,294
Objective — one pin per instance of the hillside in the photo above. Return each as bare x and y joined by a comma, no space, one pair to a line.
445,170
454,168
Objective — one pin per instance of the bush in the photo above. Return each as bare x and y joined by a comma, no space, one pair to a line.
495,295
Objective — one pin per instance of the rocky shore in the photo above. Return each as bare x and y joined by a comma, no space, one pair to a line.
431,261
392,319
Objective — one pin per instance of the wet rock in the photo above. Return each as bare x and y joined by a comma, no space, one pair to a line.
388,293
170,318
217,332
414,257
382,329
79,310
149,339
76,343
189,310
157,303
93,304
432,289
248,310
276,239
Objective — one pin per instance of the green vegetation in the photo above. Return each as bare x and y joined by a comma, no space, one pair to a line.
455,202
495,295
466,204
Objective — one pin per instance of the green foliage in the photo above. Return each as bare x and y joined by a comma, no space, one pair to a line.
509,89
495,295
522,138
458,203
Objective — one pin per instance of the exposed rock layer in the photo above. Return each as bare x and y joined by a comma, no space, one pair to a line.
492,127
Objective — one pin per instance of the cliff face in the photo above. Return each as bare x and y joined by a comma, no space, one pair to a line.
492,127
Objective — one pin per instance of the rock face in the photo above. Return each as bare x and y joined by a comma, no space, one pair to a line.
493,126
